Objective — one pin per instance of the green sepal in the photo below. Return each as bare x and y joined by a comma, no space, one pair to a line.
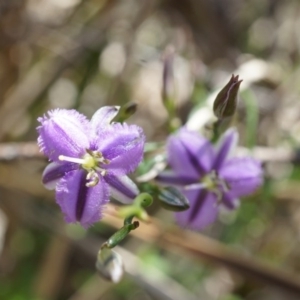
172,199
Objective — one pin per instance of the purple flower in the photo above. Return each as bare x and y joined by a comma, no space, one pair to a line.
208,176
90,160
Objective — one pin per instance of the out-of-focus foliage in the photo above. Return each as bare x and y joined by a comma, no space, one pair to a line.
84,54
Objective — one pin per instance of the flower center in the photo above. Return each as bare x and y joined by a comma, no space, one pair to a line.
91,162
209,182
215,184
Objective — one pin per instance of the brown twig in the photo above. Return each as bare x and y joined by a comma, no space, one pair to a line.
11,151
202,247
40,77
195,245
191,244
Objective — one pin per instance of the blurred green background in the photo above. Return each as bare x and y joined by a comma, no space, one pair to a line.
84,54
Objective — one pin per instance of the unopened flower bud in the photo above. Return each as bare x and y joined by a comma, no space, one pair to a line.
130,108
172,199
125,112
226,101
109,264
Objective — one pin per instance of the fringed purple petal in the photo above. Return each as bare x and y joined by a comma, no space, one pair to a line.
63,132
190,154
202,212
55,171
243,175
123,146
171,178
78,202
122,188
225,147
102,117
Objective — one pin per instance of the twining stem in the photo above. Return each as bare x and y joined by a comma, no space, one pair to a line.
118,236
129,212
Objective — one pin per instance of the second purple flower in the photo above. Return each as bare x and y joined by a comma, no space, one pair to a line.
89,160
208,175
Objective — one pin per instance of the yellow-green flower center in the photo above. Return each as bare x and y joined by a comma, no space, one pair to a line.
215,184
209,182
90,162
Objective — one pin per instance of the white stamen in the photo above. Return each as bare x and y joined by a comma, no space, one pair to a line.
223,184
219,195
89,175
100,159
71,159
195,186
103,172
93,182
103,160
94,179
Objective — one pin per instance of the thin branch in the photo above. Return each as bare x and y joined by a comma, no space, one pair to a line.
196,245
190,244
40,77
11,151
202,247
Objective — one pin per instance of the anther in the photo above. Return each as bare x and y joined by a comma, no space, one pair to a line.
103,172
103,160
94,179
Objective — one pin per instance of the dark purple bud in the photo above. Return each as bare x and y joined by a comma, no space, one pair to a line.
226,101
172,199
